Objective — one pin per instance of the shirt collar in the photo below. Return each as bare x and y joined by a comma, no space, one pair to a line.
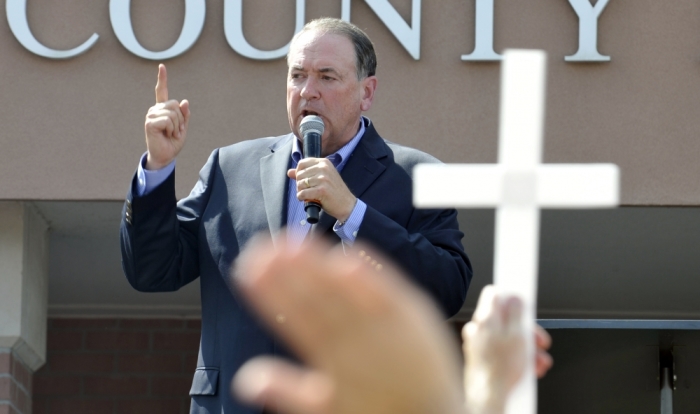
340,157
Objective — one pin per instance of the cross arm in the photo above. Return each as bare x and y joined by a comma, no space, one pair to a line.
492,185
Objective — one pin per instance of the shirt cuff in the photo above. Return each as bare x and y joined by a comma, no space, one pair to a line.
348,231
148,180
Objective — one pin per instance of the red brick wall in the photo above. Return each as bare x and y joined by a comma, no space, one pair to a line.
15,385
117,366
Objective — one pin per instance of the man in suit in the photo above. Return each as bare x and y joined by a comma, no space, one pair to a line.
362,183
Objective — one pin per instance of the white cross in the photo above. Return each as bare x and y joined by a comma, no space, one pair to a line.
518,186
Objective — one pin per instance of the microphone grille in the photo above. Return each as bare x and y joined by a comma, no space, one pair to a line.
311,123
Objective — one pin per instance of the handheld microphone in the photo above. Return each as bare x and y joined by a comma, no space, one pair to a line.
311,129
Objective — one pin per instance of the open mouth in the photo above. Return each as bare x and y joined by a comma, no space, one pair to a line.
307,113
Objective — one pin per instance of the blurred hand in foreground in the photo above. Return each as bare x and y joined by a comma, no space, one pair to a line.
495,352
372,342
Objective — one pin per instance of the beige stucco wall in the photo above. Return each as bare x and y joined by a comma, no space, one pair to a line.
72,129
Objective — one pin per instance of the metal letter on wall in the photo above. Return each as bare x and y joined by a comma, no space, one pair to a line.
16,11
409,37
345,10
588,31
120,16
483,36
233,29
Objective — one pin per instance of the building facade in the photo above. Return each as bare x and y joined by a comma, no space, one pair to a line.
78,78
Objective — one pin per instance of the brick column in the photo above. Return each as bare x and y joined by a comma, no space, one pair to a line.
23,302
15,384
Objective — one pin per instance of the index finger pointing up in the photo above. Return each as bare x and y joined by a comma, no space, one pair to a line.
162,85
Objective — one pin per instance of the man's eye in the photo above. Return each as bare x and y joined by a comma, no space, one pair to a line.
327,78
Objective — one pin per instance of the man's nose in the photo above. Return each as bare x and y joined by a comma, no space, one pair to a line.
310,89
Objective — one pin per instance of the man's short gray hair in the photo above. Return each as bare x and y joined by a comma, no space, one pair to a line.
365,58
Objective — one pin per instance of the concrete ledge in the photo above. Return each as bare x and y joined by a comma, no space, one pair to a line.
123,311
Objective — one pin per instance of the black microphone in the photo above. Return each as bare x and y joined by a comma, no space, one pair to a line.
311,129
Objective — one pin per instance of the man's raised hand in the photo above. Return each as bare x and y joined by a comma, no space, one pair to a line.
166,125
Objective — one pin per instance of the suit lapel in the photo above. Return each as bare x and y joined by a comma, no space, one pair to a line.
273,181
361,170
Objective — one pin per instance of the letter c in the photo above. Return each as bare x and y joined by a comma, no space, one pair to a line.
17,19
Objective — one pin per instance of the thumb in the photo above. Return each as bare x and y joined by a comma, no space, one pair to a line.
486,305
162,85
279,385
185,108
512,315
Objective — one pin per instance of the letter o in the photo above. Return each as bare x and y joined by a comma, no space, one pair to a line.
120,16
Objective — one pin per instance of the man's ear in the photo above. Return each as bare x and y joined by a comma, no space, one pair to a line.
369,85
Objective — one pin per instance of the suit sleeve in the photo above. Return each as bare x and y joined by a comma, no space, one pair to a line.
159,237
429,249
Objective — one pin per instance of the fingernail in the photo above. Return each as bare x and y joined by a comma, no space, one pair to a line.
515,305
